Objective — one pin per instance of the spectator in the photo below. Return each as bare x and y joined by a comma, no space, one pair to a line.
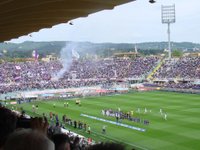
61,141
76,144
57,129
7,124
107,146
27,139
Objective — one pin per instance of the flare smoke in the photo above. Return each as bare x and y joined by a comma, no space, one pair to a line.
65,60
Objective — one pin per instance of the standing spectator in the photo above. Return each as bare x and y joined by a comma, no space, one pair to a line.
61,141
107,146
57,129
8,122
104,129
76,144
89,129
27,139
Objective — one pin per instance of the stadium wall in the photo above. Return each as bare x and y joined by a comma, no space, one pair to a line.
191,91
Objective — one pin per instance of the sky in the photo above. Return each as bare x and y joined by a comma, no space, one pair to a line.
134,22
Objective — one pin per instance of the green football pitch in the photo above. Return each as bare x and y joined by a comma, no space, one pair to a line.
181,130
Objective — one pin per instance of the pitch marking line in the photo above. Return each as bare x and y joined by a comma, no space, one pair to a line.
112,122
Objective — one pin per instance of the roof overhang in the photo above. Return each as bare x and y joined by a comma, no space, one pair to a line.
21,17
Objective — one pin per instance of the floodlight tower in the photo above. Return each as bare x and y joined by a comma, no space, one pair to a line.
168,17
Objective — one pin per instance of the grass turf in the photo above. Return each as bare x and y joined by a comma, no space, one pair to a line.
181,130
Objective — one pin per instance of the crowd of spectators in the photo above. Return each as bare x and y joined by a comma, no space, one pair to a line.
180,73
182,85
21,133
180,68
40,75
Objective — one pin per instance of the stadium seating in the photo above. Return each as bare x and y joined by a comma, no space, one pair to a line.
39,75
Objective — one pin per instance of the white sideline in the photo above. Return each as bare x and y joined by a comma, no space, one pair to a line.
112,122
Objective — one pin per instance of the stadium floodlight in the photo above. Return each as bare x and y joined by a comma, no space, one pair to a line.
168,17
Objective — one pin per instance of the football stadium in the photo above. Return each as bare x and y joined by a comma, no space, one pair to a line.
139,115
70,101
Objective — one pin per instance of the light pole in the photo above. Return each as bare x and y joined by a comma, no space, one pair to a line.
168,17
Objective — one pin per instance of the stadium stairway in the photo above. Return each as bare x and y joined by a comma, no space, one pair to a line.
150,76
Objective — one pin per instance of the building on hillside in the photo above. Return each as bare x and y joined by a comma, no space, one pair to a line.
127,55
51,57
192,54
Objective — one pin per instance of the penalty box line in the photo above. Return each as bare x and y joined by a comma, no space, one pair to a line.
115,123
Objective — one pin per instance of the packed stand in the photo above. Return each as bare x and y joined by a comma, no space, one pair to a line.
40,75
183,68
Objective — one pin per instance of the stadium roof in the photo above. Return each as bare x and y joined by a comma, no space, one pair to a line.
21,17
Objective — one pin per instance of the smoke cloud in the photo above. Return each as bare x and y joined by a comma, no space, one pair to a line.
65,60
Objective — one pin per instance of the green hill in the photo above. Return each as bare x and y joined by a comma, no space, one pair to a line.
102,49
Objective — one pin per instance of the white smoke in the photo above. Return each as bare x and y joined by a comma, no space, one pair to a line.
65,60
